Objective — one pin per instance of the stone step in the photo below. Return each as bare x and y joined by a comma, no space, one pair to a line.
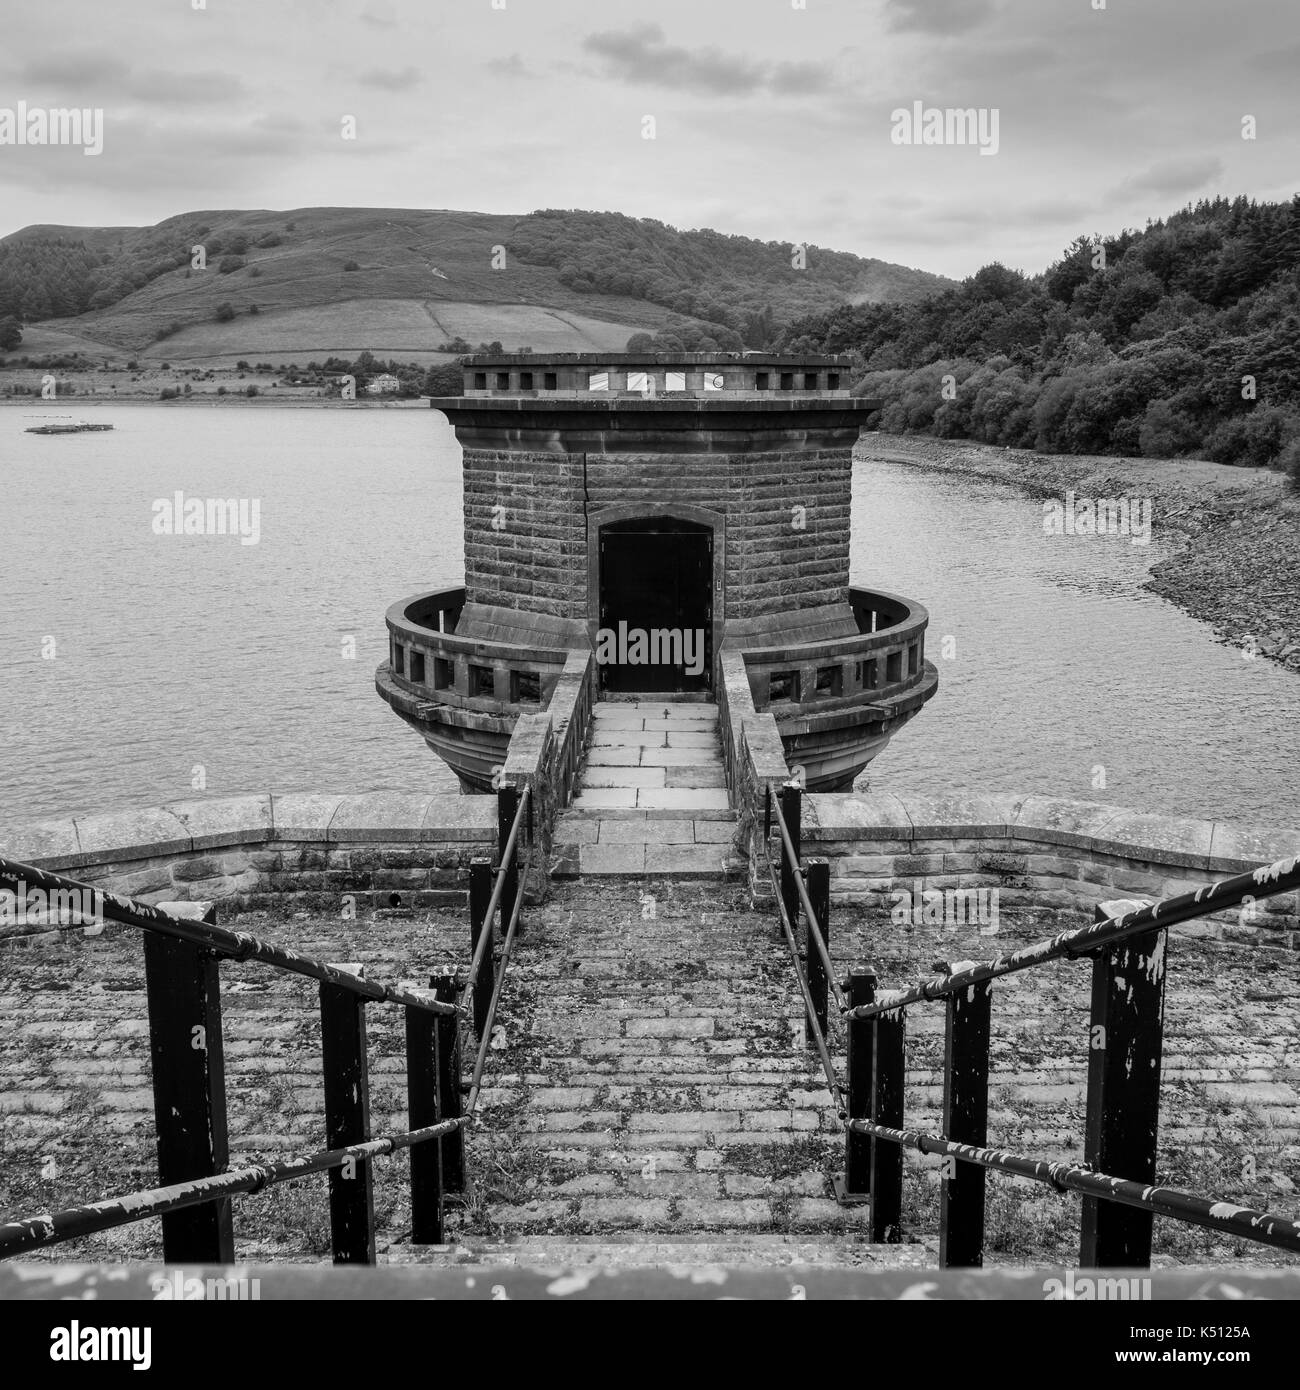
627,715
651,861
590,828
691,801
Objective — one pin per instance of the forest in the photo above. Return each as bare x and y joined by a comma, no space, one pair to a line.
1182,339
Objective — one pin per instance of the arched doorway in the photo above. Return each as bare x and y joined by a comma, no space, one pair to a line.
655,586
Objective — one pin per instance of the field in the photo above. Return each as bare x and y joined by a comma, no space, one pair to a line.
407,330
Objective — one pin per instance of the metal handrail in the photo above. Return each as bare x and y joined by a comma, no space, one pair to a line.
814,927
234,945
1280,877
485,1041
832,1081
75,1222
1257,1226
494,902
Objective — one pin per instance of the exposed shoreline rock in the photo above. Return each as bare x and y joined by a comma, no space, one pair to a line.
1237,561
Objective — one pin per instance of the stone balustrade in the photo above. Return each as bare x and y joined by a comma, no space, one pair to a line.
882,662
428,659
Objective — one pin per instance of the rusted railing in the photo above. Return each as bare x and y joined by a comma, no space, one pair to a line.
1117,1176
813,968
183,991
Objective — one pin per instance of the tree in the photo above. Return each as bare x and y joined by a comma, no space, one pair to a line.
11,333
225,312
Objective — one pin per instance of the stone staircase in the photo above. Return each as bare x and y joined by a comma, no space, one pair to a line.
659,1104
652,797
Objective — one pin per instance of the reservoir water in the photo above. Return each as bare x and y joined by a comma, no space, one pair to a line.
135,666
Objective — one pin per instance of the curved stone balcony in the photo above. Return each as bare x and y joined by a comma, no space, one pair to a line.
839,698
461,679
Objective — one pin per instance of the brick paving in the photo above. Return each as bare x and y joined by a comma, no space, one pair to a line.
649,1089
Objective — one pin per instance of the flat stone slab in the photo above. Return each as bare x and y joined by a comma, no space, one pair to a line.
606,798
708,778
303,815
714,832
681,757
616,755
595,777
576,830
683,799
383,814
50,843
225,820
685,859
647,832
126,835
611,859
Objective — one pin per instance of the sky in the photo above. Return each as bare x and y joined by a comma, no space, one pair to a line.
769,118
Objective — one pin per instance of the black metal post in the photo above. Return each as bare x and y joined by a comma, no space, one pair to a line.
1124,1055
347,1121
965,1121
887,1109
445,987
859,988
507,806
189,1092
480,895
791,809
422,1110
819,895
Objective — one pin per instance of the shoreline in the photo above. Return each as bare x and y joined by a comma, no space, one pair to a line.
1236,564
72,404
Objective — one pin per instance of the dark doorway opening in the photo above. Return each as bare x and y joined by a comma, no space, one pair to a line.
656,606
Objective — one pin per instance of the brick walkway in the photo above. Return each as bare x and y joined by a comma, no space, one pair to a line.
652,797
649,1090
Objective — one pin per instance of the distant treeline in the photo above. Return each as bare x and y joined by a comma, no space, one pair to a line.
55,277
742,289
1183,339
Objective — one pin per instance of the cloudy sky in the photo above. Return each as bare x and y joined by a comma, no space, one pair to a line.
771,118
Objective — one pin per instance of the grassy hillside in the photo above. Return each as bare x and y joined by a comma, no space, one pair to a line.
406,282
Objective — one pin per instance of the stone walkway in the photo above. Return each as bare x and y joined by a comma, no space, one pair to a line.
652,797
660,1085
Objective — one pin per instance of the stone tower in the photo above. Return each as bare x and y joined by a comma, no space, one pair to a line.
611,498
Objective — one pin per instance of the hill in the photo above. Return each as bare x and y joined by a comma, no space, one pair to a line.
1172,341
401,282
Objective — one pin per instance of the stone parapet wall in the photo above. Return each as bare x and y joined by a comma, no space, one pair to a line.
246,852
753,758
1044,854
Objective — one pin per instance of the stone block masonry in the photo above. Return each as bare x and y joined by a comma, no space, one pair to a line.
308,850
527,518
1058,858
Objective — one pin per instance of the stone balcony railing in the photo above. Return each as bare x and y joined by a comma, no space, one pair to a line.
881,664
428,660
